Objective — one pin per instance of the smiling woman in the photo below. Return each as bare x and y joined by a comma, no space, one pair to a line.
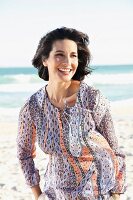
78,39
71,122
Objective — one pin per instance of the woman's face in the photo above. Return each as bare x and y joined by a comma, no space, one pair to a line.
62,62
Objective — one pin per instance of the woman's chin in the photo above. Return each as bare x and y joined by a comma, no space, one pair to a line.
65,76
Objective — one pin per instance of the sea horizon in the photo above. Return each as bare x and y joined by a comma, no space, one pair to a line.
95,64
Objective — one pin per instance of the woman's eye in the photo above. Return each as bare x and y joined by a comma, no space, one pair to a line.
75,56
59,54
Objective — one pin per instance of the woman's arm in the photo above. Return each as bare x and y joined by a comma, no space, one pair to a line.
26,149
104,124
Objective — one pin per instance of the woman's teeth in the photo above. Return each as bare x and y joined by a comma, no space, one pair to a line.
64,70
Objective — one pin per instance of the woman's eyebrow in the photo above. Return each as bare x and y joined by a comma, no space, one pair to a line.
60,51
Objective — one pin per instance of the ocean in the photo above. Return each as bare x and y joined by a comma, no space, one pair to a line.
18,83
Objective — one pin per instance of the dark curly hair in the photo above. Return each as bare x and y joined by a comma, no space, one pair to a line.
45,46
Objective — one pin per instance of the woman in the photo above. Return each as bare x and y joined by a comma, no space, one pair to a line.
72,123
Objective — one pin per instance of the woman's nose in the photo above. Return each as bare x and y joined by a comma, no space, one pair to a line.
67,60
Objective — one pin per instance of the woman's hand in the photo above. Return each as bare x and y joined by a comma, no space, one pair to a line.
42,197
115,197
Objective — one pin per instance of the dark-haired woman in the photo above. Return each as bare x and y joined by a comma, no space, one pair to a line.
71,122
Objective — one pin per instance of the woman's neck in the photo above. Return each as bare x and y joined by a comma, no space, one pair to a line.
61,94
58,91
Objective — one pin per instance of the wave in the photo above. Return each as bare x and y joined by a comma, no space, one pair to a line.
123,102
110,79
19,78
31,83
126,78
25,87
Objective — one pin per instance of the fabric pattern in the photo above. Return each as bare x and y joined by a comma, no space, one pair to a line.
84,159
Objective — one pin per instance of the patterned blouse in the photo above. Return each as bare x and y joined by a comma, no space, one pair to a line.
84,159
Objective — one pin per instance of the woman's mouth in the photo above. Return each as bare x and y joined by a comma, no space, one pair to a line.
65,70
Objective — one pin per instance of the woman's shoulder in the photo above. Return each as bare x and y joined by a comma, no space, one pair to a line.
88,90
35,100
91,96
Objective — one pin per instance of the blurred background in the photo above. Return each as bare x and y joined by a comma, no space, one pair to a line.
109,24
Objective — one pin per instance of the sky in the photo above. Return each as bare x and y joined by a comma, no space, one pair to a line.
108,23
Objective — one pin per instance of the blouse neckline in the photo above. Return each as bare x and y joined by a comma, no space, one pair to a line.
62,109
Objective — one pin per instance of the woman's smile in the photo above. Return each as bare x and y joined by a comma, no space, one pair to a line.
65,71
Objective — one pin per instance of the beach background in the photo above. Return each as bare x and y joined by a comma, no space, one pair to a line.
109,25
16,86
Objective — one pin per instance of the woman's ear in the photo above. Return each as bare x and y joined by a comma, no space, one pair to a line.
44,62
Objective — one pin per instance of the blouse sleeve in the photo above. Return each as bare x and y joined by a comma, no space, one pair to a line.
104,124
26,149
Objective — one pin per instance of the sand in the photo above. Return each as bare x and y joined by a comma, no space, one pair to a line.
12,183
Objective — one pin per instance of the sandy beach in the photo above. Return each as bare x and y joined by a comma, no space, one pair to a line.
12,183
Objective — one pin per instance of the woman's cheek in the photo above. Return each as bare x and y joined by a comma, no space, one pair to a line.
58,59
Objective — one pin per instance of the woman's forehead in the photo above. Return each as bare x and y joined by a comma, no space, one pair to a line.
61,45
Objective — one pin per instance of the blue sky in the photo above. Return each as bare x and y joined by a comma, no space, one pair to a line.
109,24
